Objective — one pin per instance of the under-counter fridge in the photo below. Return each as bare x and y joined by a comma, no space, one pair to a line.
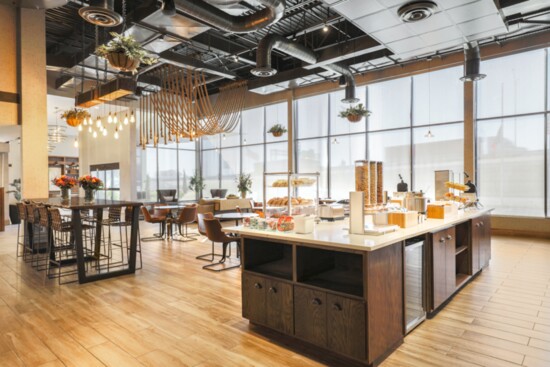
415,311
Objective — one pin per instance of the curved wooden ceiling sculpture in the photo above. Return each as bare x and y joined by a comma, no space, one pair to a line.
182,107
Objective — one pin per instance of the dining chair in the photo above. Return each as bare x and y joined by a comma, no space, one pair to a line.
216,235
187,215
202,230
21,230
158,217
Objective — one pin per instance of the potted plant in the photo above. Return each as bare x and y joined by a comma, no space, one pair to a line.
14,213
65,183
244,184
277,130
90,184
75,116
355,113
125,53
196,183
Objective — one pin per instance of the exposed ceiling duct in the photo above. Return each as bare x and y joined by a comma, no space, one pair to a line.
272,12
472,63
274,41
101,13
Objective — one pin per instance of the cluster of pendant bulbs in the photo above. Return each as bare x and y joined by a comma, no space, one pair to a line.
96,128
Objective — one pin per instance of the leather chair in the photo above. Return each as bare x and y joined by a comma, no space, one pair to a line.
167,196
159,217
202,230
215,234
186,216
21,229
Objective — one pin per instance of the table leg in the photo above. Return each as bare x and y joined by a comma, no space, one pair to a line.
133,239
77,233
98,228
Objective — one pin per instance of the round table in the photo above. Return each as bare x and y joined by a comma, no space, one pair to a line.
235,216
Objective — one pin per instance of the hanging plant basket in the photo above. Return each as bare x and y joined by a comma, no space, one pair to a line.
73,121
277,134
354,118
122,62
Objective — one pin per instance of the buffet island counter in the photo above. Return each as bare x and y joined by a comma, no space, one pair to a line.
349,294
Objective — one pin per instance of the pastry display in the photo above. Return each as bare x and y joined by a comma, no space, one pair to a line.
369,178
302,181
280,183
283,201
456,186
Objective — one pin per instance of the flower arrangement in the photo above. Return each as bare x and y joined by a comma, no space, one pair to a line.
75,116
90,183
64,182
355,113
125,45
244,184
277,130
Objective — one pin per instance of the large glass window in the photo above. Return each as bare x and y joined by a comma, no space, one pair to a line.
231,167
340,125
344,151
511,165
313,157
186,169
147,173
390,104
312,117
168,168
211,170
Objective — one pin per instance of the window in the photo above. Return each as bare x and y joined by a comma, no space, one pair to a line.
110,175
253,164
147,173
186,169
211,170
167,168
313,157
390,104
344,151
340,125
230,169
312,117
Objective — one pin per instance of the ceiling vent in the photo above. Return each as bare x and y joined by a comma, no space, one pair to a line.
101,13
417,11
472,61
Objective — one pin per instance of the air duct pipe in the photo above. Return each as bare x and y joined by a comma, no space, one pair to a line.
472,61
273,41
272,12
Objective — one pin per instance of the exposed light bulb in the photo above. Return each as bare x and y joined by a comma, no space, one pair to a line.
429,134
115,119
116,135
76,143
126,119
132,117
98,123
85,122
94,134
244,141
223,136
119,127
80,127
325,28
89,129
104,132
110,118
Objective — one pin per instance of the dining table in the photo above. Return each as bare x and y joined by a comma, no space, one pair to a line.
236,216
78,204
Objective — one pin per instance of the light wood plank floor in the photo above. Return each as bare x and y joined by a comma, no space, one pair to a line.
173,313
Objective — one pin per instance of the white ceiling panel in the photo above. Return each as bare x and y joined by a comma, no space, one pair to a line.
441,35
375,22
409,44
353,9
471,11
449,4
390,3
392,34
484,24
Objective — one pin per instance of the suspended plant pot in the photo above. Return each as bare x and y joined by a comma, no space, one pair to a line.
355,113
124,53
122,62
277,130
75,116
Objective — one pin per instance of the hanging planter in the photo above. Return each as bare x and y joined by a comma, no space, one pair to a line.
125,53
355,113
277,130
75,116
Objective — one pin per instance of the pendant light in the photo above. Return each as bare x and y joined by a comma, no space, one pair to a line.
126,119
110,118
132,117
80,127
429,134
75,142
94,134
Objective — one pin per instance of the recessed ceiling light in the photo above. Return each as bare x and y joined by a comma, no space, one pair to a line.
416,11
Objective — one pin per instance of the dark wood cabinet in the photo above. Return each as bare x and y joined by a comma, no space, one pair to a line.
280,306
310,313
346,323
481,242
268,302
254,298
443,266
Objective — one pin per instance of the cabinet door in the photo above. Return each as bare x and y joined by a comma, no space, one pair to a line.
254,298
280,306
310,315
485,241
476,244
439,268
346,326
450,259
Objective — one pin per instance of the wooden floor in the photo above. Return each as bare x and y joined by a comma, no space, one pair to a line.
173,313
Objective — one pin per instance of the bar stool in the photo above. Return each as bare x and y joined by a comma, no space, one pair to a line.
128,223
44,224
21,233
32,226
113,221
63,250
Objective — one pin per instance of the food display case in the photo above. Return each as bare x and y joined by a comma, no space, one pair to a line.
287,193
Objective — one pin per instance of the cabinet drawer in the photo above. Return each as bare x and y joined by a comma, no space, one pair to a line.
280,306
254,298
310,315
346,326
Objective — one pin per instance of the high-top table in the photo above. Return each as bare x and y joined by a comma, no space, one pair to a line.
76,204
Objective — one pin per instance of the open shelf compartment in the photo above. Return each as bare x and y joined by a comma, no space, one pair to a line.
268,258
336,271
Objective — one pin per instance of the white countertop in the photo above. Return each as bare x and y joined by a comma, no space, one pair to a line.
335,234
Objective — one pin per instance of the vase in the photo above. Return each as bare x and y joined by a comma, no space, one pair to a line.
65,194
89,195
243,194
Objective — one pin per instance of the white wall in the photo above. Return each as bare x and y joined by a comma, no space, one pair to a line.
105,149
65,148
